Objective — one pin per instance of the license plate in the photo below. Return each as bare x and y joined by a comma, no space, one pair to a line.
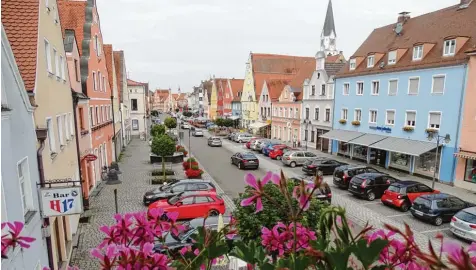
458,232
354,186
336,179
252,162
321,196
418,213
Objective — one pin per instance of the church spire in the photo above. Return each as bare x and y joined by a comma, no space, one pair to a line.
329,26
328,34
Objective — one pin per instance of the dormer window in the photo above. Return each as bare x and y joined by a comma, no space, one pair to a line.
450,47
392,57
417,52
370,61
352,64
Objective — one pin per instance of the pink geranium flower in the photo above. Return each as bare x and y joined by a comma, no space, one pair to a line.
106,258
13,238
302,194
258,192
175,228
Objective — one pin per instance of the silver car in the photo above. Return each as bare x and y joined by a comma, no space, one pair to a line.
463,224
197,133
243,137
294,158
255,144
214,141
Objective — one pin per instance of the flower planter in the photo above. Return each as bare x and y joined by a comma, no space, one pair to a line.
159,180
343,121
159,172
194,174
176,158
186,164
408,128
356,123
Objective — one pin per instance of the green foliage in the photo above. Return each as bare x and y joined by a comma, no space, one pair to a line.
157,130
163,146
154,113
157,172
170,122
223,122
250,224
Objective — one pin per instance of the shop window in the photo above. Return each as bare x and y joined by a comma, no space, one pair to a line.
312,135
344,148
360,152
470,171
425,163
400,160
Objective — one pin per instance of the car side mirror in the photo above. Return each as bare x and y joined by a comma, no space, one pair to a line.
179,204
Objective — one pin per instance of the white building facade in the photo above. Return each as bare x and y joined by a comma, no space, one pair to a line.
137,108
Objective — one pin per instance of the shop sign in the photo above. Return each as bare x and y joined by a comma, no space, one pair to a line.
61,201
90,157
383,129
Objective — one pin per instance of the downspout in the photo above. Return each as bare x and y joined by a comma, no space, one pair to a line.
461,103
113,127
78,156
41,134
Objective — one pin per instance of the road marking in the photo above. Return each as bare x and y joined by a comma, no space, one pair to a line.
400,215
436,230
369,203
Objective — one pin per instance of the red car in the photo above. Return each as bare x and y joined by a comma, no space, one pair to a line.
278,151
403,193
248,144
193,204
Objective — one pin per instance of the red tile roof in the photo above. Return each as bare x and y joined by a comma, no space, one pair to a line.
109,60
275,87
163,94
20,20
73,16
431,29
236,86
134,83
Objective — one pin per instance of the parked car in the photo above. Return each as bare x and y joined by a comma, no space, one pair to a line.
437,208
269,146
214,141
325,165
279,150
194,204
173,243
463,224
344,173
324,193
242,137
402,194
370,185
245,160
255,144
177,187
261,144
248,144
294,158
197,133
230,136
184,125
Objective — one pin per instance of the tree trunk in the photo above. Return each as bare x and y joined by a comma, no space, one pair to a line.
163,168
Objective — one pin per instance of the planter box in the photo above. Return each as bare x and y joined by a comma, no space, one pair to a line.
159,180
176,158
159,172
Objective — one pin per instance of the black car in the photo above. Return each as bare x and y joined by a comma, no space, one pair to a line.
437,208
177,187
325,165
245,160
343,174
173,244
370,185
324,193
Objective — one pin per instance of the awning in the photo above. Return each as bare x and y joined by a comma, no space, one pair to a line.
466,155
341,135
404,146
368,139
234,117
257,125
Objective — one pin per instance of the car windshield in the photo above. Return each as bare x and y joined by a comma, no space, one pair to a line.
216,139
174,200
466,216
248,155
393,188
425,202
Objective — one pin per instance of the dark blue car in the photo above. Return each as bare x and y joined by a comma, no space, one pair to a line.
268,147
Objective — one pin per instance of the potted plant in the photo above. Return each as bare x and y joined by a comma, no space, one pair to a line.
163,146
431,130
408,128
181,149
342,121
194,172
190,162
356,123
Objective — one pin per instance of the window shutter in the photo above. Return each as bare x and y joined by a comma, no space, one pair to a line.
390,115
438,84
393,88
435,118
414,85
411,116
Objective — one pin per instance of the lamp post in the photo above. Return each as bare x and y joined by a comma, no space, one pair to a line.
439,139
189,149
306,122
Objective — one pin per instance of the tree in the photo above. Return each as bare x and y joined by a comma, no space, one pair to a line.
163,146
157,130
228,122
219,122
154,113
170,122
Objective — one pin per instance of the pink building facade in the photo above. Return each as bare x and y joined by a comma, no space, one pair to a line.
287,116
465,175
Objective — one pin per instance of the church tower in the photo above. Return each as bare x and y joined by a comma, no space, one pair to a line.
328,34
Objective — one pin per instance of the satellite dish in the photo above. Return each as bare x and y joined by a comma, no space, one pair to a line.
398,29
382,64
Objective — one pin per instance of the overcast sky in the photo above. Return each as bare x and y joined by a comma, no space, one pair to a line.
181,42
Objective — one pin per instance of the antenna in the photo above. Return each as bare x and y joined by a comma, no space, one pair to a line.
398,29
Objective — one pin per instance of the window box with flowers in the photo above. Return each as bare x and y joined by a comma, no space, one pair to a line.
431,130
408,128
356,123
343,121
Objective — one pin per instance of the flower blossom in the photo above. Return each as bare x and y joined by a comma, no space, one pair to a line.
13,238
281,238
302,194
258,191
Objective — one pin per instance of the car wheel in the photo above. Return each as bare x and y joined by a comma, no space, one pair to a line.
213,213
438,221
371,196
293,164
278,157
240,166
405,207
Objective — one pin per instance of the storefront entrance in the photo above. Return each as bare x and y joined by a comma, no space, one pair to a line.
378,157
322,144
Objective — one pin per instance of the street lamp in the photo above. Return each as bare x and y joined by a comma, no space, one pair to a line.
447,139
306,122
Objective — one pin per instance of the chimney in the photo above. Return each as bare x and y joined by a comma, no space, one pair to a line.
404,16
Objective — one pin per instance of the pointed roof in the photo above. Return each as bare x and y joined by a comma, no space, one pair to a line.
236,87
329,22
275,87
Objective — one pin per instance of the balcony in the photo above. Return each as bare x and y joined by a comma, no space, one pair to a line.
101,125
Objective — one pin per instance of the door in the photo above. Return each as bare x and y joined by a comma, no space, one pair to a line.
299,158
202,206
456,205
186,210
412,193
380,185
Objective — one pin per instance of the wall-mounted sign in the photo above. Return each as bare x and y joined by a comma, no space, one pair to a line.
383,129
61,201
90,157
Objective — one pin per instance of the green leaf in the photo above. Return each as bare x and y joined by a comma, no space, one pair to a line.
338,258
368,254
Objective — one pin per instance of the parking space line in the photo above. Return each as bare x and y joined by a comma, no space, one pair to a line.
400,215
436,230
369,203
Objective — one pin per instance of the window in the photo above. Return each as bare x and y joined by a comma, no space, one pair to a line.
80,116
61,59
66,128
390,118
316,114
296,113
76,69
413,85
370,61
71,124
328,115
307,113
99,80
344,114
313,90
410,118
375,87
346,89
97,116
434,120
51,135
285,112
104,84
57,67
392,57
290,112
94,81
360,88
417,52
23,172
357,115
135,124
438,86
450,47
134,104
323,90
91,115
48,56
201,199
352,64
373,116
392,87
59,124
